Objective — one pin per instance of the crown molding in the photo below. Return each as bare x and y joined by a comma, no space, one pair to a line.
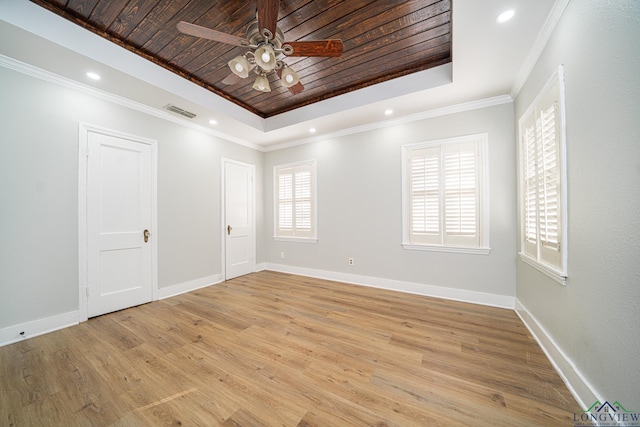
38,73
428,114
50,77
538,47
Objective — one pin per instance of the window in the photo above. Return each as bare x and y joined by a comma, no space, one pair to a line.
542,181
444,195
295,201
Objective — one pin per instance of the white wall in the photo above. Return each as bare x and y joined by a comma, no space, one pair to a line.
39,195
359,207
595,318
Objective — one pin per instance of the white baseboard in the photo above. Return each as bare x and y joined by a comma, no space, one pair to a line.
494,300
15,333
12,334
577,384
191,285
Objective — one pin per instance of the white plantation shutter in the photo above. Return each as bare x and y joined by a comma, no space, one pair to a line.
424,183
461,194
294,203
303,200
548,162
530,207
443,192
285,200
542,197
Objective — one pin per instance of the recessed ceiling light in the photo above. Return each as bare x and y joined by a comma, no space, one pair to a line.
213,122
388,112
312,130
505,16
93,76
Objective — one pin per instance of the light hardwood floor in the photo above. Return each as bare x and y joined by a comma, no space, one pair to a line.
272,349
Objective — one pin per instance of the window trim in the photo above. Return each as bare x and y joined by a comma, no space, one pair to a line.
482,141
544,268
296,239
557,273
314,203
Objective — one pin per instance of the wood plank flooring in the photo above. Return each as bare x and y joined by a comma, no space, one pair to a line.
272,349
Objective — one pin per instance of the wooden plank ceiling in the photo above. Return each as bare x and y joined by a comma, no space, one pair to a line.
383,39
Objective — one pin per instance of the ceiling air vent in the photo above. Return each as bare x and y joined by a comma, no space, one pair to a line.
180,111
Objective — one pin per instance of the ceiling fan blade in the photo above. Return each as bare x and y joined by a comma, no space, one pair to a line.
296,88
208,33
331,47
268,14
231,79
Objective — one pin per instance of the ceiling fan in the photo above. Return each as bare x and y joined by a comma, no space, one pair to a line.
265,42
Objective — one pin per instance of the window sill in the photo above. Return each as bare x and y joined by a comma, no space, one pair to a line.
450,249
296,239
543,268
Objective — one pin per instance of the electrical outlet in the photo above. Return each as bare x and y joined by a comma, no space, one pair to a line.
350,261
281,255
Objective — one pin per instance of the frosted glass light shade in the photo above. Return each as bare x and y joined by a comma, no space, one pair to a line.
265,57
262,83
289,77
239,66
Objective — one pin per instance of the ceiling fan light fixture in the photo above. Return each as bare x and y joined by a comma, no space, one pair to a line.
264,42
289,77
239,66
265,57
262,83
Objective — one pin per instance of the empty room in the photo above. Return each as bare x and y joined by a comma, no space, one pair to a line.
319,213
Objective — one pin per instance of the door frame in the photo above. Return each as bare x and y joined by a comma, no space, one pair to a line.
83,249
223,211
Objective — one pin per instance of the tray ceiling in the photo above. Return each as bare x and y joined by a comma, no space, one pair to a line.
383,39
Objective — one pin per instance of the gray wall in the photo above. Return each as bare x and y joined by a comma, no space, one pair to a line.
359,206
39,194
595,318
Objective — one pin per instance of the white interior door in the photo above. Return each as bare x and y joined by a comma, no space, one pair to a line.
120,213
239,229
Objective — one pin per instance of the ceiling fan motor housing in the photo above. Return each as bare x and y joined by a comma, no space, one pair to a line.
258,38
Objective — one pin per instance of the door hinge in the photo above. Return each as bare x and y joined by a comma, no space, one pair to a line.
88,290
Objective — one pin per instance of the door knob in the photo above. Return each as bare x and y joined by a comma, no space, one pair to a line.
229,228
146,235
